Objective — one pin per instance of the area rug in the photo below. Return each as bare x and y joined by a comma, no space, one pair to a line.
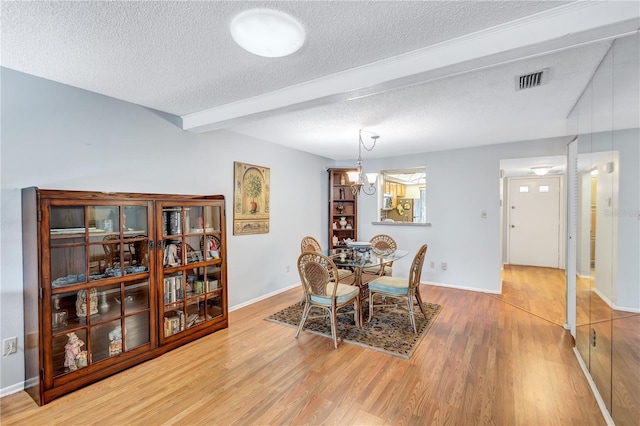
389,331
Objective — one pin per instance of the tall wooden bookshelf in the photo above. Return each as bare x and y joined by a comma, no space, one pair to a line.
343,208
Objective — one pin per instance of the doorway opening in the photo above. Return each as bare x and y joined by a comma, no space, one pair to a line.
532,227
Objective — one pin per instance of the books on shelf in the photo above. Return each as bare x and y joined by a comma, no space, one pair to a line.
200,286
174,322
173,289
81,230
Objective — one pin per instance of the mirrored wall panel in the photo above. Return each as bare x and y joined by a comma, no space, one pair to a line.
607,120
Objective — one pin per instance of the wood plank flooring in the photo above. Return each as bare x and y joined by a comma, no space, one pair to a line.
483,361
539,291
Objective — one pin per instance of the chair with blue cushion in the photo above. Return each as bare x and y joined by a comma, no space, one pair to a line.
322,289
382,245
400,288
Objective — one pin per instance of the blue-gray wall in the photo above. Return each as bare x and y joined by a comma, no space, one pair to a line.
60,137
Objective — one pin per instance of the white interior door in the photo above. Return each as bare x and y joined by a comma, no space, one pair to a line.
534,221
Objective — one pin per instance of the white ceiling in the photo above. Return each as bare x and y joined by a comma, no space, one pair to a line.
424,75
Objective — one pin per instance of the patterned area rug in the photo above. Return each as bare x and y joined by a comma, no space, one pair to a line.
389,331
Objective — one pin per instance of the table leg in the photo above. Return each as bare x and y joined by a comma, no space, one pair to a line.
364,291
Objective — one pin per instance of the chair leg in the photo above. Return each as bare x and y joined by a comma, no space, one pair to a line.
305,313
410,307
334,331
420,303
370,305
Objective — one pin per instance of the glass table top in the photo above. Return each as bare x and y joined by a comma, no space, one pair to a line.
347,257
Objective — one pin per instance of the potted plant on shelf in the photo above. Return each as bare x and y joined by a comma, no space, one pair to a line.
253,190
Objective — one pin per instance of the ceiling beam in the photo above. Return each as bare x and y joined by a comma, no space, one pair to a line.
555,29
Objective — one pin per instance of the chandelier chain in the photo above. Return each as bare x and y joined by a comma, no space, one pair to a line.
360,180
374,137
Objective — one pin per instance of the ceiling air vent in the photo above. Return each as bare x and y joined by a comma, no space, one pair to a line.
534,79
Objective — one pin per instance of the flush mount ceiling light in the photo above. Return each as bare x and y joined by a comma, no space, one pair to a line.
267,32
541,170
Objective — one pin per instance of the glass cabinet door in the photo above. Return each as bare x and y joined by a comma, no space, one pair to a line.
97,323
191,265
119,241
99,272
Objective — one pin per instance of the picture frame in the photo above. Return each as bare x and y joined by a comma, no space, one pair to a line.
251,199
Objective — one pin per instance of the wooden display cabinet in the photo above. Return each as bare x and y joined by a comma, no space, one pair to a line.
94,282
342,204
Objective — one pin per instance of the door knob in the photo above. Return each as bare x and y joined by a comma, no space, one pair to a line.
513,226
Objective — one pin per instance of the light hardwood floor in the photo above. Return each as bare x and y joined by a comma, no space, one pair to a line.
539,291
483,361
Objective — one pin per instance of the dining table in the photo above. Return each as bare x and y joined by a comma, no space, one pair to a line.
357,259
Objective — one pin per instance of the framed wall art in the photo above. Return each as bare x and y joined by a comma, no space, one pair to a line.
250,199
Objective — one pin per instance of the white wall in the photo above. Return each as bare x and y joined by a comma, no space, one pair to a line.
583,225
460,185
59,137
618,247
627,272
606,230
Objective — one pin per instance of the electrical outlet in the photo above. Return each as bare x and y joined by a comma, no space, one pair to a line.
9,346
443,266
288,268
432,264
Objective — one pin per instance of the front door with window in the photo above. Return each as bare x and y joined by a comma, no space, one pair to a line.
534,221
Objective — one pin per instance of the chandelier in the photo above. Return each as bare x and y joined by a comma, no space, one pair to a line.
365,182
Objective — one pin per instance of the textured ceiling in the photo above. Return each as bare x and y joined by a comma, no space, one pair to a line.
447,113
178,57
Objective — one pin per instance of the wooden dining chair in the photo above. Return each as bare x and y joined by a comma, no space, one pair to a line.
309,243
112,251
400,288
322,289
382,244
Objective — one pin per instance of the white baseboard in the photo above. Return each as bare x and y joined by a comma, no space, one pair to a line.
282,290
594,389
266,296
11,389
460,287
612,305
